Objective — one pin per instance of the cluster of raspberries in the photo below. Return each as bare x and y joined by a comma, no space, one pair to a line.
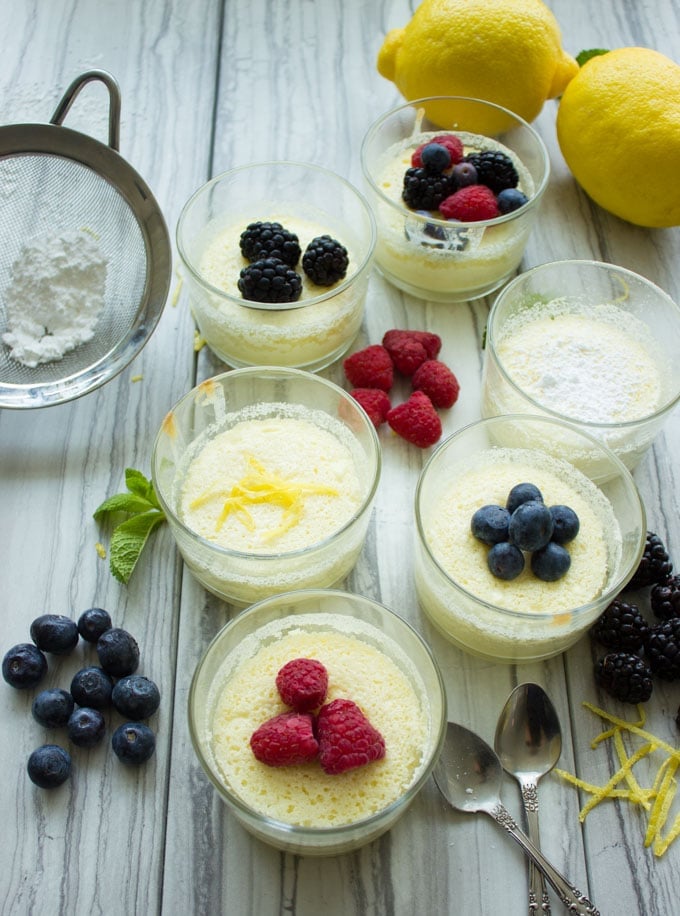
273,253
338,734
640,651
459,187
413,354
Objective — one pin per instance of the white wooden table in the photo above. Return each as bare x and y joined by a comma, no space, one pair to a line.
206,85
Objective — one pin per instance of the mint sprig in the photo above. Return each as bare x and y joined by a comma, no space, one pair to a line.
128,537
584,56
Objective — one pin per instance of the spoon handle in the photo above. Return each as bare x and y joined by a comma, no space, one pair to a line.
538,894
573,899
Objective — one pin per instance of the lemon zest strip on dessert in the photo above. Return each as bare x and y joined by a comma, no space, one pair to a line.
261,486
662,792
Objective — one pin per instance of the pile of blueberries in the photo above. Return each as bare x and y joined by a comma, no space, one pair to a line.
93,689
525,525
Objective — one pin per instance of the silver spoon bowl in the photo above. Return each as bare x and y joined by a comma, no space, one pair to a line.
469,775
528,742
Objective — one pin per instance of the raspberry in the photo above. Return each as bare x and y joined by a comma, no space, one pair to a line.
655,565
416,420
370,368
285,740
663,649
452,143
625,677
269,280
325,261
269,240
374,401
425,190
346,738
621,626
302,683
438,382
664,598
470,204
407,354
431,342
494,169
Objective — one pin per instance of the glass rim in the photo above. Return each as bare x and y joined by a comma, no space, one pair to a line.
543,616
533,201
438,729
206,188
544,409
281,371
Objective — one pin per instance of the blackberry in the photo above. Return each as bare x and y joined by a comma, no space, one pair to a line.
425,190
663,649
325,261
270,280
625,677
494,169
269,240
655,565
621,626
664,598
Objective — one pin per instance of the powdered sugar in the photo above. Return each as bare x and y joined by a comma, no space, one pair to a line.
54,297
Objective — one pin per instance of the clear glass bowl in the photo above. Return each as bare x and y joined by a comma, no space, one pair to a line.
218,404
317,329
320,613
587,342
522,620
437,259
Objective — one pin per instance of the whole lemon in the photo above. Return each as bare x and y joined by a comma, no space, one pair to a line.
618,126
503,51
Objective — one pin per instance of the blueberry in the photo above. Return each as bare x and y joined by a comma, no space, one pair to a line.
522,493
565,524
118,652
551,562
24,665
136,697
49,766
510,199
54,633
133,742
93,622
435,157
490,524
92,687
531,526
86,727
52,707
464,174
505,561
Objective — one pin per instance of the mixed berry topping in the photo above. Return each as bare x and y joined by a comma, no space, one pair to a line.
525,525
337,734
274,253
463,188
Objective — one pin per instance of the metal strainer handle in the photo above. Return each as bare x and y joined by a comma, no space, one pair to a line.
114,102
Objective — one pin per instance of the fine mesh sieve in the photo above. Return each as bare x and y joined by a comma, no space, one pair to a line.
54,180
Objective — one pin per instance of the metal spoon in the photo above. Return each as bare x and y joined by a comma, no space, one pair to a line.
529,743
469,776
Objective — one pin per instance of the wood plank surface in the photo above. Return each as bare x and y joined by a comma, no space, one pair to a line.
207,85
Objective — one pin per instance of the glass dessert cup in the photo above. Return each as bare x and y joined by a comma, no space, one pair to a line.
438,259
245,574
604,344
318,328
325,615
522,620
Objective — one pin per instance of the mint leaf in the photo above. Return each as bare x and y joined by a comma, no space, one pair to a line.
144,513
584,56
128,540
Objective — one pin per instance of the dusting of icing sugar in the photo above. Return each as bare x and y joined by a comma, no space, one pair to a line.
54,296
596,365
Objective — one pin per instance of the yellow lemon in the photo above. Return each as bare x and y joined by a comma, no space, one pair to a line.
618,127
503,51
